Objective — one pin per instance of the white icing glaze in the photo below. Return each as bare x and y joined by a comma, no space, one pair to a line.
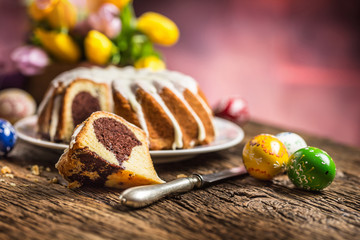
161,81
183,82
76,132
96,74
153,83
126,80
125,89
149,88
54,117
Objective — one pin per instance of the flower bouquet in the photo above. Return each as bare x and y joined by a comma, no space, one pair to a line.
100,32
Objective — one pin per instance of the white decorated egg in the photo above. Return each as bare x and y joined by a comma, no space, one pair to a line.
292,141
16,104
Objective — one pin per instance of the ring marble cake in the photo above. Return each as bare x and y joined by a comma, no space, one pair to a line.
167,105
106,150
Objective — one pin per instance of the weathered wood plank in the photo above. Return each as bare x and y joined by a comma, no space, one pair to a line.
32,207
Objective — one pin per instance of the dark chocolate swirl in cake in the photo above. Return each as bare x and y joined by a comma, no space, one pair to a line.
83,105
116,137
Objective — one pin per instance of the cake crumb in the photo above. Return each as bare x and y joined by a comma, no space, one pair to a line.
9,175
48,169
12,184
74,184
181,176
54,180
5,170
2,180
35,170
36,180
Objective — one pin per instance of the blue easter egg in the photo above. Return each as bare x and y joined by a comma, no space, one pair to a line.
7,137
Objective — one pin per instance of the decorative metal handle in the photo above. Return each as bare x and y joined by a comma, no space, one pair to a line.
142,196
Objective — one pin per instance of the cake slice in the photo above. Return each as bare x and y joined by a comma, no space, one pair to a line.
106,150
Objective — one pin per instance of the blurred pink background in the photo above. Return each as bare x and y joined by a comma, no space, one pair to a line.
297,63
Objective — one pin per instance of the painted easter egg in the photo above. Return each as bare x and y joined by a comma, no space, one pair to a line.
16,104
234,109
311,168
7,137
292,141
264,156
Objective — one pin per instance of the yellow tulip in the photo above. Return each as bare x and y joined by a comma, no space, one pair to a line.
158,28
98,47
151,62
63,15
39,12
119,3
60,45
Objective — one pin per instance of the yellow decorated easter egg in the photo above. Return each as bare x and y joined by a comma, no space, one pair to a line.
265,156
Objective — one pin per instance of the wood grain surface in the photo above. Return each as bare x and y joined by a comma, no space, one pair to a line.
38,205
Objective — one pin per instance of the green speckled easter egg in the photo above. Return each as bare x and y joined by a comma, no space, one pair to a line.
311,168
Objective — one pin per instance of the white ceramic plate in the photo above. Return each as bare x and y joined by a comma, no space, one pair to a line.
228,135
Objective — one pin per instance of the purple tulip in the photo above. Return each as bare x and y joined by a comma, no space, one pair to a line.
30,60
106,20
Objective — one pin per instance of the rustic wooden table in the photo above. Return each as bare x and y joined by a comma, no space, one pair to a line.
34,206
